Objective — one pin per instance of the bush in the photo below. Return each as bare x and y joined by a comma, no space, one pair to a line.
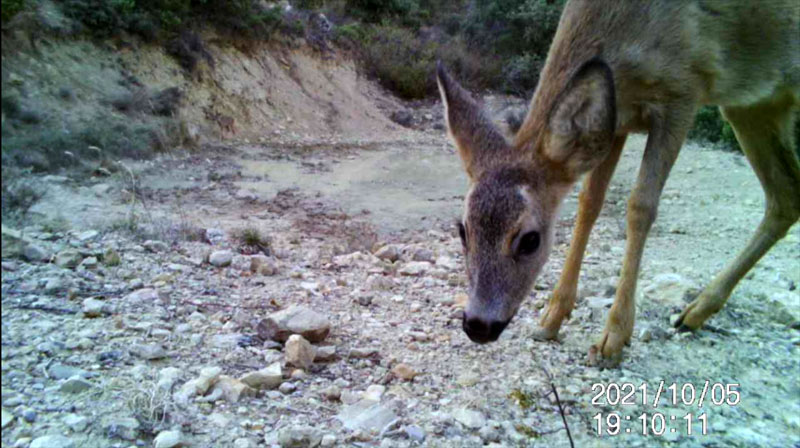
709,126
11,8
50,148
404,62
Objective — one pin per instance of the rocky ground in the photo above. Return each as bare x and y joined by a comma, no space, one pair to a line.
211,299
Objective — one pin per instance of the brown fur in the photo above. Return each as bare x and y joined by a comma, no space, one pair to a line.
616,67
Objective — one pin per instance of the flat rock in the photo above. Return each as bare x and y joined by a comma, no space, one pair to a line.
325,353
200,385
92,307
299,437
34,252
294,320
231,389
221,258
299,352
75,422
389,252
670,289
52,441
415,268
126,428
168,439
144,295
404,372
75,385
148,351
366,415
61,372
469,418
267,378
155,246
68,259
7,418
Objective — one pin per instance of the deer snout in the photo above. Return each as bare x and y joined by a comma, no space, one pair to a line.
482,331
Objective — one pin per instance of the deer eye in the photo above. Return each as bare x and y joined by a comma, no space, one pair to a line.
528,243
462,232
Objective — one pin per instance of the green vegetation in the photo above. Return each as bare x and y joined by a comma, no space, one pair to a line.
11,8
709,126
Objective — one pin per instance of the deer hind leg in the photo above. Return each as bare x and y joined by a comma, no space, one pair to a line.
590,202
765,132
666,135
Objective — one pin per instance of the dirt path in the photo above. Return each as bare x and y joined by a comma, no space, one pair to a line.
320,202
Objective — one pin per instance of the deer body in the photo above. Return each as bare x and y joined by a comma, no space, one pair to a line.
617,67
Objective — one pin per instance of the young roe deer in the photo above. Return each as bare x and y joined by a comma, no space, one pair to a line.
616,67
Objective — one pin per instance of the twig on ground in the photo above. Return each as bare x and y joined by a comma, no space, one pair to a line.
560,408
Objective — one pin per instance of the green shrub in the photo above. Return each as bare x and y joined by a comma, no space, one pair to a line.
11,8
709,126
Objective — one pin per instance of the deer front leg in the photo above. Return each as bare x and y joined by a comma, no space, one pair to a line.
663,144
590,202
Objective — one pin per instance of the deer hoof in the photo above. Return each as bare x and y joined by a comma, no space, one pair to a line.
544,334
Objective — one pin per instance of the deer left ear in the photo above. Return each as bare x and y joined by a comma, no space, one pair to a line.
582,122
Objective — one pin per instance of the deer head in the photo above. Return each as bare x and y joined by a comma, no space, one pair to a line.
515,189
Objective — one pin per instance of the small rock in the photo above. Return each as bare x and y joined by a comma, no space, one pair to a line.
61,372
34,252
29,415
267,378
422,254
94,308
231,389
126,428
52,441
670,289
287,388
366,415
87,235
374,392
469,418
299,352
415,268
388,252
415,433
101,189
328,440
221,258
75,422
331,393
7,419
294,320
155,246
142,296
68,259
299,437
215,236
168,439
75,385
89,263
167,377
325,353
362,352
404,372
148,351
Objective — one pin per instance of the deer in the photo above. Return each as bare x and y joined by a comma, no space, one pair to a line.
613,68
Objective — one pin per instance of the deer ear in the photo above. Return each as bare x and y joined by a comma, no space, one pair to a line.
476,137
582,122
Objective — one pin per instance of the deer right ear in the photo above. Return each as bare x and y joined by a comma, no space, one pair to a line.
582,123
473,133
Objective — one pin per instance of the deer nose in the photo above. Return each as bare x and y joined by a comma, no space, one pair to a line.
481,331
